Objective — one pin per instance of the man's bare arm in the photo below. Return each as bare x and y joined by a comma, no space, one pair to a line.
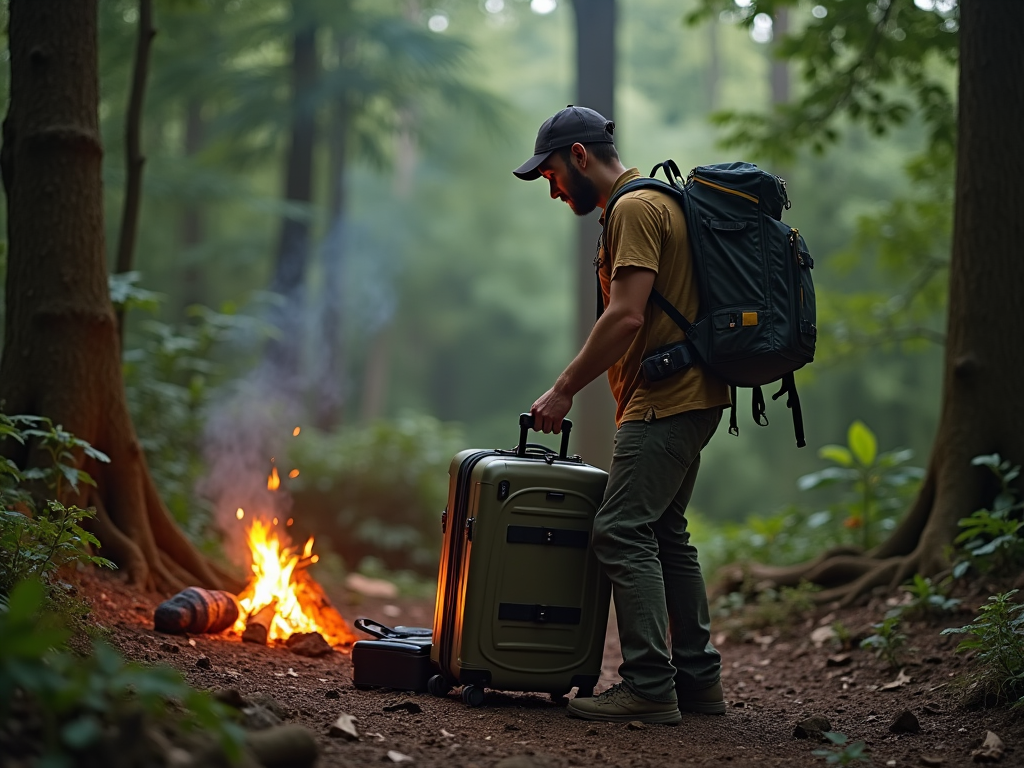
607,343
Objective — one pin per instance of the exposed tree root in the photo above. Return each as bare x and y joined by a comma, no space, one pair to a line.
848,573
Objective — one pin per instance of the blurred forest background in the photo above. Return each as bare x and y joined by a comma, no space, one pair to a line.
331,180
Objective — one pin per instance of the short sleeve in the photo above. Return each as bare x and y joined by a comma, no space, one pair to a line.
634,235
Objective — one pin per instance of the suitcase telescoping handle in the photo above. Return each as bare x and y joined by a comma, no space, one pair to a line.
526,424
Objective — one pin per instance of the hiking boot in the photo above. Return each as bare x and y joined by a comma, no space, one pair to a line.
706,701
620,705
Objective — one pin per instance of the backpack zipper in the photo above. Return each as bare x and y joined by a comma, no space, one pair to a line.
720,188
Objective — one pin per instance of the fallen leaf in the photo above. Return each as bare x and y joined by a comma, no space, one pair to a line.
291,672
991,749
446,734
398,757
822,635
377,736
192,642
345,727
901,680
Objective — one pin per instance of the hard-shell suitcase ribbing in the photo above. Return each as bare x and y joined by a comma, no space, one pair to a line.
521,602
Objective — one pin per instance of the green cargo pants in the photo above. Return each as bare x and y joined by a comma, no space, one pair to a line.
641,541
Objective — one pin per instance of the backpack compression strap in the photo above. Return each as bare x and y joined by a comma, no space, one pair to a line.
793,403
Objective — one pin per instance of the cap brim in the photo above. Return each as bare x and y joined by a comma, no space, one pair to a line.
528,170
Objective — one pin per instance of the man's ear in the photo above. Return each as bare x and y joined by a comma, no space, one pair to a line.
579,153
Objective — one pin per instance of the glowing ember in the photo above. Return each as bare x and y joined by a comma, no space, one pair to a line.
239,513
273,480
295,432
293,473
275,569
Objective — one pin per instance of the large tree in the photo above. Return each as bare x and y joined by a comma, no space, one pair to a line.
595,88
981,412
61,351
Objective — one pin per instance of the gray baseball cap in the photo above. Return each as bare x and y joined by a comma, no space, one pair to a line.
571,125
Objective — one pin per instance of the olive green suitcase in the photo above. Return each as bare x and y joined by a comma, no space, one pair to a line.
521,602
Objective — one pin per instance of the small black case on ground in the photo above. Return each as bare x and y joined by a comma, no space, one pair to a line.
399,658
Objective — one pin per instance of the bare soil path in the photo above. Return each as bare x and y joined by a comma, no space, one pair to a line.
773,681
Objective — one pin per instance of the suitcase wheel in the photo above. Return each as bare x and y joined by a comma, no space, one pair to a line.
438,686
472,695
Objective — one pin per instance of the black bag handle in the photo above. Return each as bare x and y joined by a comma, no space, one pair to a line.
526,424
672,173
384,632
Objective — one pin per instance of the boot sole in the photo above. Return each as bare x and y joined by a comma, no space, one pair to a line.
654,718
700,708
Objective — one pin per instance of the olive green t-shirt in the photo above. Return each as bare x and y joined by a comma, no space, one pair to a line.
647,229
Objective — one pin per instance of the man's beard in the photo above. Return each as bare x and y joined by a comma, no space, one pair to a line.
582,192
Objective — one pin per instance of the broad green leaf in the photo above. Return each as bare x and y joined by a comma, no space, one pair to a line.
837,454
991,460
825,477
862,443
81,732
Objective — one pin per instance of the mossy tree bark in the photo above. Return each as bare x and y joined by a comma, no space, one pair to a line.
61,356
982,408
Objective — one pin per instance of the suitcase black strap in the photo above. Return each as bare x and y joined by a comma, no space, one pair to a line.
539,614
555,537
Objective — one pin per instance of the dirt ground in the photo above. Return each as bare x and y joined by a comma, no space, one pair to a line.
773,681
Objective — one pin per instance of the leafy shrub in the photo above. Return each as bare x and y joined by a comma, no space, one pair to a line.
877,483
928,598
170,378
36,540
791,535
996,636
377,491
848,752
781,608
71,710
991,540
887,642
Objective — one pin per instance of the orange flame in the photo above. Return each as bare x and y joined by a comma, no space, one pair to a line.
273,568
273,480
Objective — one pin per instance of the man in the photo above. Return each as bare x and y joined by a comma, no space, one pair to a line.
640,537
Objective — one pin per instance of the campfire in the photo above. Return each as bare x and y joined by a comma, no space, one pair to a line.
282,601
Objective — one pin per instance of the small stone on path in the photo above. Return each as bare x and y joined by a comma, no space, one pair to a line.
812,728
309,644
931,762
635,725
905,722
203,662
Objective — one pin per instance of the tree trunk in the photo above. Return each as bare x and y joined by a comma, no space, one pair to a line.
61,353
284,352
134,159
331,380
982,410
595,88
780,67
194,289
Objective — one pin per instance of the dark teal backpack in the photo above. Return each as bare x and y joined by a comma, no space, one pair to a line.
757,320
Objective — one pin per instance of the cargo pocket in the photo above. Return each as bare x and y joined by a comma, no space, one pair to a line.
739,333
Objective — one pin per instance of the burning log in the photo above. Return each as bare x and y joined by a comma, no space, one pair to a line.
257,625
196,610
316,605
